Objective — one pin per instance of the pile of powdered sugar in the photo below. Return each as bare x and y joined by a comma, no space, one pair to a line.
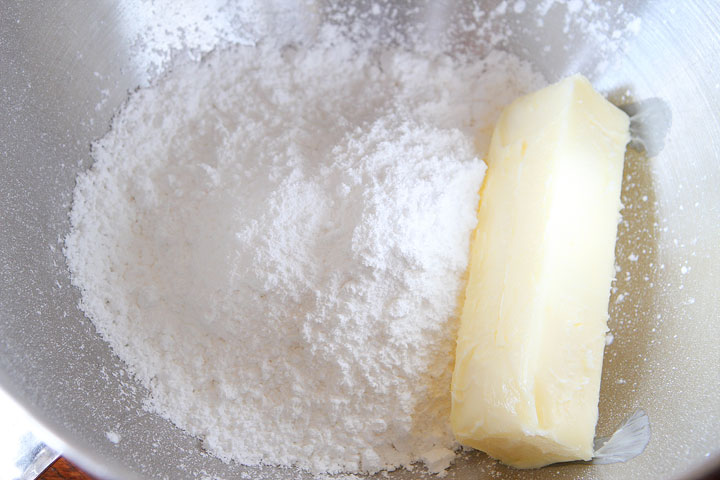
274,241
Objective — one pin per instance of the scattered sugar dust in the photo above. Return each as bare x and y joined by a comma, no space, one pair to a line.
113,436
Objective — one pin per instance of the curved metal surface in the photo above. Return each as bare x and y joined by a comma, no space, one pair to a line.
64,69
23,456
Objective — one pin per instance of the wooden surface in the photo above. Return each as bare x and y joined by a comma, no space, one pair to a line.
64,470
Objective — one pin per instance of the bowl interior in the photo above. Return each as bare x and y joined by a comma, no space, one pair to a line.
64,71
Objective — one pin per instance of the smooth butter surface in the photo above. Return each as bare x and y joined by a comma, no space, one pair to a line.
529,354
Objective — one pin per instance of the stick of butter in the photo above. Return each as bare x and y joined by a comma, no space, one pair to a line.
529,353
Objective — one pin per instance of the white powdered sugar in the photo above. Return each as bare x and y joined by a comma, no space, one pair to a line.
274,240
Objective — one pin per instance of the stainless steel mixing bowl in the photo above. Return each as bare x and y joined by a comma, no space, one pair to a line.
66,66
